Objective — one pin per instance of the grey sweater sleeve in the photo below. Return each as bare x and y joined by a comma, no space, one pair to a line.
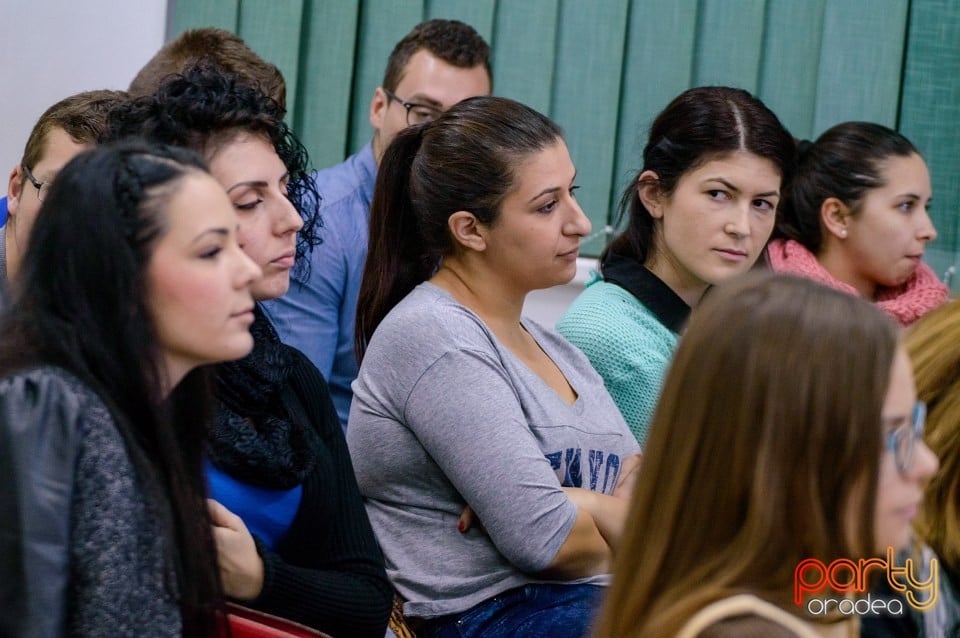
468,417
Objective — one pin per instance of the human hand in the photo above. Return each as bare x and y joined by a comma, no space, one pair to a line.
241,568
629,470
468,519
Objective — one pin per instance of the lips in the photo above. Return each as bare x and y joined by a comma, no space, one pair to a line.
732,253
285,260
570,254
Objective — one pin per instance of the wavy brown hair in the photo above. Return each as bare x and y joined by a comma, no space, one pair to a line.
934,348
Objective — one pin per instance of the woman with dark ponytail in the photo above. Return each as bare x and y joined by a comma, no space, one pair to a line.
494,464
133,278
856,219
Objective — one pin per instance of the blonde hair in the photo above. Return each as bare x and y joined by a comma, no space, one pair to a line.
764,451
934,348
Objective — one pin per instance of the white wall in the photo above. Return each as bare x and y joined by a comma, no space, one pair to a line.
547,306
50,49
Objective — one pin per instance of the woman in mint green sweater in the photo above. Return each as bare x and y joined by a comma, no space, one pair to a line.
700,212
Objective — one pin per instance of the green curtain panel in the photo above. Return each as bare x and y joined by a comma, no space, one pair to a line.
604,68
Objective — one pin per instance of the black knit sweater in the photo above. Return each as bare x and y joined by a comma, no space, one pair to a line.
328,571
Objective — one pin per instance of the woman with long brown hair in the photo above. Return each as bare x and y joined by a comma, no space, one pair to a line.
788,430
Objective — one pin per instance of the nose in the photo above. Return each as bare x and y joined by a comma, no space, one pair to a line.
925,463
287,218
926,231
739,223
246,270
579,223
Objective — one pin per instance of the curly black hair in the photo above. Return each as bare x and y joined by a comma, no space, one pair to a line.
203,108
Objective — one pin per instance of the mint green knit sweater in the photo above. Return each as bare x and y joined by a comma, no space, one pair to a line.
627,346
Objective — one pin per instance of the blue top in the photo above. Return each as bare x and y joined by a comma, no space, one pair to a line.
317,316
268,514
3,211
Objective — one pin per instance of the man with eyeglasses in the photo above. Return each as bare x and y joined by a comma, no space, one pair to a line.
63,131
436,65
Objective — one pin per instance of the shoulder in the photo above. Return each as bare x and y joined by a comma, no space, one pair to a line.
430,320
746,626
605,318
342,186
47,390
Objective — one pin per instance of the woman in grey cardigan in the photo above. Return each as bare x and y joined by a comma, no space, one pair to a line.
133,278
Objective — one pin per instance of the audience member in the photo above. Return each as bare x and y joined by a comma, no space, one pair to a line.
856,219
66,128
292,534
462,403
212,47
133,278
437,64
700,212
788,431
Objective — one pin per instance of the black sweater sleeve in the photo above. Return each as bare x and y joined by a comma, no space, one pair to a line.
328,572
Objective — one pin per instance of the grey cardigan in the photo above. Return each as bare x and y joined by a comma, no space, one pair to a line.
81,551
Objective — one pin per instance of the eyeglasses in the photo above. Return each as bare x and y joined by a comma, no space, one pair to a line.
902,441
42,187
416,113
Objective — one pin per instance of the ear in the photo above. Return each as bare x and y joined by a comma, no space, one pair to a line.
467,231
378,108
14,190
648,189
834,215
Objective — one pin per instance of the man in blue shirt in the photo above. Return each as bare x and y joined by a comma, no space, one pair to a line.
436,65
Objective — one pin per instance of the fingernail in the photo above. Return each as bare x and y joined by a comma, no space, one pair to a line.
462,527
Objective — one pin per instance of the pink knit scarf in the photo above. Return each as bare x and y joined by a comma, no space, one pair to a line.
906,303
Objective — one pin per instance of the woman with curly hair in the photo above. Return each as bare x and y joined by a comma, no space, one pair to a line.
292,535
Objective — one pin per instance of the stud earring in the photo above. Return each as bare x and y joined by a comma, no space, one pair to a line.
843,233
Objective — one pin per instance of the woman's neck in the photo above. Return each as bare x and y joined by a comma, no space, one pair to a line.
680,280
483,293
841,267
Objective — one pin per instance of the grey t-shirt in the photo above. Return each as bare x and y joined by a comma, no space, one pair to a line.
444,415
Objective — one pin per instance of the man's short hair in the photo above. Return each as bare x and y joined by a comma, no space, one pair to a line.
214,47
82,116
452,41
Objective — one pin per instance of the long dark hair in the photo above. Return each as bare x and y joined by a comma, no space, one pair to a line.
764,451
205,108
463,160
699,125
81,305
844,163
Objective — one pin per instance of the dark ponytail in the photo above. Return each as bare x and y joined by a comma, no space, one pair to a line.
464,160
396,261
844,163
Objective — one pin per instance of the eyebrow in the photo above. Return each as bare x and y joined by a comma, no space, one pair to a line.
551,189
250,184
735,189
424,100
217,231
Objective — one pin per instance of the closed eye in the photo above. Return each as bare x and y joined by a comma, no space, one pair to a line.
248,205
211,253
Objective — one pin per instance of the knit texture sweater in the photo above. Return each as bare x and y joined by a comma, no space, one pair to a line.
327,572
906,303
90,554
627,341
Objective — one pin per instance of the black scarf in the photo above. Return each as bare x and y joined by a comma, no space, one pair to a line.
255,436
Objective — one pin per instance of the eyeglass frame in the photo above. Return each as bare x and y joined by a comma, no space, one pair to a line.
36,183
409,106
914,428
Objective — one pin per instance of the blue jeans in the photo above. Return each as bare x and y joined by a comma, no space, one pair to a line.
531,611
